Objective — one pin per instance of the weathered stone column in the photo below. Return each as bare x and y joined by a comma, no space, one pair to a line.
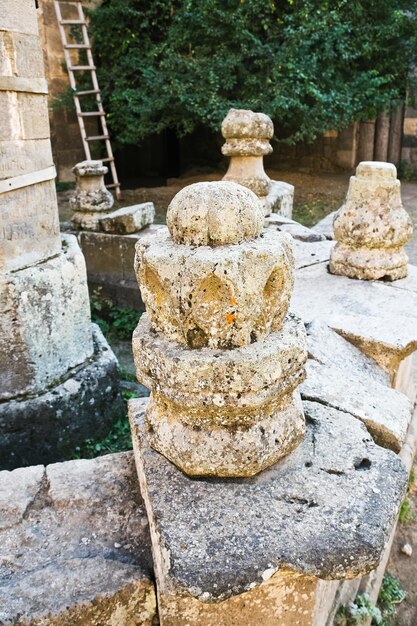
220,353
371,227
247,137
91,199
46,336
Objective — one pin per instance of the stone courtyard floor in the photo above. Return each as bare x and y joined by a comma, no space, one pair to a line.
316,195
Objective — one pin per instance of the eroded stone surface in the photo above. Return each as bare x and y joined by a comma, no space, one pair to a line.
75,545
216,297
280,199
230,412
129,219
91,196
325,510
82,404
377,317
247,137
371,227
342,377
214,214
295,229
46,328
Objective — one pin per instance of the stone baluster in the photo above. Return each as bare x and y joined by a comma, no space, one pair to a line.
371,227
92,199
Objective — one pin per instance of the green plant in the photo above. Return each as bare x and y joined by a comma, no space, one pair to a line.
390,595
406,512
312,65
406,171
117,440
358,613
113,320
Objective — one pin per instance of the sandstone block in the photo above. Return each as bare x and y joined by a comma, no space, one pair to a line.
223,413
377,317
295,229
23,157
76,546
372,227
24,116
341,376
83,404
29,226
216,297
45,322
128,219
324,512
22,19
20,55
280,199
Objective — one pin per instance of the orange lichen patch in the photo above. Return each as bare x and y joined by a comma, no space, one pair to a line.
230,318
233,302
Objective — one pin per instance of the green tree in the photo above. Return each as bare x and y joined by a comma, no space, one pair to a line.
311,65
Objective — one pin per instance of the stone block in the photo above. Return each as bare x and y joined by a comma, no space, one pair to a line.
280,199
377,317
339,375
295,229
20,55
23,18
24,157
325,226
83,404
129,219
45,322
222,549
24,116
76,546
29,226
311,253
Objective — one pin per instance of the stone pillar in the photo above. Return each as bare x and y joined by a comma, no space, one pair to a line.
45,327
218,350
247,137
371,227
91,198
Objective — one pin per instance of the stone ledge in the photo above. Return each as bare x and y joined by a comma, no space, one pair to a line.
379,318
44,426
337,494
75,545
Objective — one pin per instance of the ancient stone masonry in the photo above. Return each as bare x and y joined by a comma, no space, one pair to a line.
91,198
46,335
247,137
218,348
372,227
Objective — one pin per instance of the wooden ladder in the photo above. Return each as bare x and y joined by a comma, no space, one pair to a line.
81,22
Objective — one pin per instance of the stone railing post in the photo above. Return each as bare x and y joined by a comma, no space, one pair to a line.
91,198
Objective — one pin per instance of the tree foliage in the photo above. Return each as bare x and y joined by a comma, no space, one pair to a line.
312,65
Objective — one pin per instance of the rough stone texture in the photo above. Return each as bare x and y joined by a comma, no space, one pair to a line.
372,227
377,317
91,196
84,403
295,229
326,510
75,546
232,412
227,296
247,137
311,253
214,214
325,226
45,328
129,219
280,199
341,376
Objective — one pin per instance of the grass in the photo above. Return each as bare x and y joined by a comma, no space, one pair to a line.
361,612
116,321
311,212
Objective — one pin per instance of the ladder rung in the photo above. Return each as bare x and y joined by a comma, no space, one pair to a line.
107,159
97,137
91,114
81,67
73,22
77,46
86,93
112,185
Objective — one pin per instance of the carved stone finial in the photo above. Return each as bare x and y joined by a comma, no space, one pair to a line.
91,198
247,137
371,227
219,352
